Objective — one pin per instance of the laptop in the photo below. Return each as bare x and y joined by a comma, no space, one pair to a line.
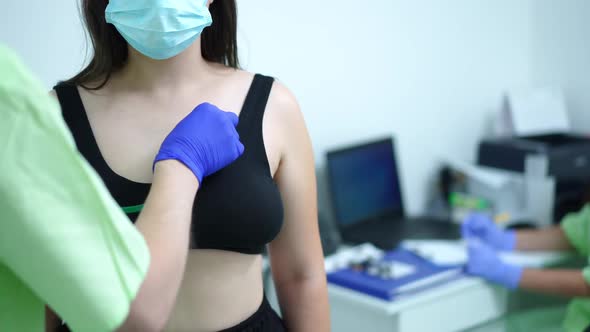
367,201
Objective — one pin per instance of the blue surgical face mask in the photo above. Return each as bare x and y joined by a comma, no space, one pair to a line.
159,29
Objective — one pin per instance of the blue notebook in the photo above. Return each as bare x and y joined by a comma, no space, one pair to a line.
424,276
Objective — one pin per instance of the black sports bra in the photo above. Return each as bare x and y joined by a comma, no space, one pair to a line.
237,209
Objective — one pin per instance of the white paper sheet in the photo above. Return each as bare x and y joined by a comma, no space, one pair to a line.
455,253
539,111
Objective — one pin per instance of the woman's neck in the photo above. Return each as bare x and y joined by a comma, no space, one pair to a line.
142,72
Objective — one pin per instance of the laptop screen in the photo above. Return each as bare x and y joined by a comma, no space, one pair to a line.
364,183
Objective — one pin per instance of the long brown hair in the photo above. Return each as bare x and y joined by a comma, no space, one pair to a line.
218,42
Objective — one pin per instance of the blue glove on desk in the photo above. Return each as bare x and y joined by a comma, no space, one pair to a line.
205,141
484,262
482,227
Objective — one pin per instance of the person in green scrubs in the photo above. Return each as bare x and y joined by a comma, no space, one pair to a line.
573,234
65,243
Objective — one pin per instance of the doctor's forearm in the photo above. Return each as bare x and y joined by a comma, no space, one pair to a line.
165,224
551,238
569,283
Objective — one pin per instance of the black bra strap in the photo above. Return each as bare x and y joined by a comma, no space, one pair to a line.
255,104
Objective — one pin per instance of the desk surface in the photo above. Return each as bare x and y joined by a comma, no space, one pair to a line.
403,302
388,307
430,309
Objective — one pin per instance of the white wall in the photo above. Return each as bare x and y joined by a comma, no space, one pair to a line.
562,53
46,34
430,72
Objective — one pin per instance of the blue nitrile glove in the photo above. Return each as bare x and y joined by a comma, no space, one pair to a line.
205,141
480,226
484,262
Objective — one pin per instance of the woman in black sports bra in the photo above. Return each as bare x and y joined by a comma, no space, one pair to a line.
153,62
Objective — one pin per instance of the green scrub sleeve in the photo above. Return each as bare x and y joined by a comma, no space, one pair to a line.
61,233
575,226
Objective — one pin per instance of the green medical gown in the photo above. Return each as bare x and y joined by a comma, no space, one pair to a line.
64,241
576,227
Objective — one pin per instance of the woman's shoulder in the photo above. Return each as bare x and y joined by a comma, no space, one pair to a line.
282,104
281,101
284,114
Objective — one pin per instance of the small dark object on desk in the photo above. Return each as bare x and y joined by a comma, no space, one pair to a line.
522,225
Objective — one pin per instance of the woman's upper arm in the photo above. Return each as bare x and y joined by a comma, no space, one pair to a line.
297,251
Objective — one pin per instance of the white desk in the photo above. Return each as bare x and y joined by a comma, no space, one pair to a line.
454,306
